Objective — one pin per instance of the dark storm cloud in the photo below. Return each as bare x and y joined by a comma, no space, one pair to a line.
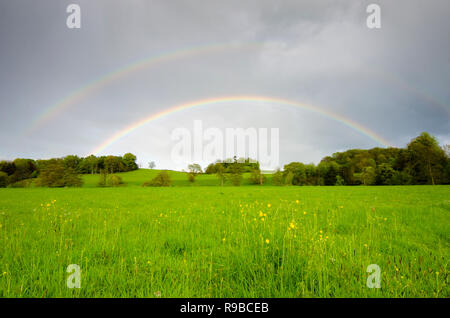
393,81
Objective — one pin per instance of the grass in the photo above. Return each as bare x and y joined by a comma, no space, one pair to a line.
248,241
179,179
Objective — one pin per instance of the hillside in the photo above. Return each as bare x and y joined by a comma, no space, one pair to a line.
179,179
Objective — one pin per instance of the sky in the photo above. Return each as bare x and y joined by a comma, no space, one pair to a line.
68,91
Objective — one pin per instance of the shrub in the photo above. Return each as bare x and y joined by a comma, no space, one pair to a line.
161,180
257,177
339,181
114,181
3,179
191,177
21,184
277,178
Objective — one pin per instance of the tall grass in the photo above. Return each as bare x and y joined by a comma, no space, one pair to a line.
225,242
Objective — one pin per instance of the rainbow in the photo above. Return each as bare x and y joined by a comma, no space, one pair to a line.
97,84
231,99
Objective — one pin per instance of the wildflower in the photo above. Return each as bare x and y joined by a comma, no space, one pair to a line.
4,273
267,241
269,205
304,212
260,213
223,240
385,219
297,201
437,273
262,219
158,294
292,225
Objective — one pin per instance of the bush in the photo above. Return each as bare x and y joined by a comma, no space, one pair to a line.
277,178
339,181
114,181
161,180
3,179
21,184
191,177
257,177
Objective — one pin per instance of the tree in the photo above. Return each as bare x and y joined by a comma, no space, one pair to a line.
151,165
368,176
89,165
426,159
195,168
3,179
277,178
55,174
24,169
289,178
129,161
211,168
384,174
72,161
102,178
236,174
257,177
339,181
113,164
220,172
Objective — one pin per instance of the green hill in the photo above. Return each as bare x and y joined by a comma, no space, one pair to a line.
179,179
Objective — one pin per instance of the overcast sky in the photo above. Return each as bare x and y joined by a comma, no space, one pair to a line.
394,80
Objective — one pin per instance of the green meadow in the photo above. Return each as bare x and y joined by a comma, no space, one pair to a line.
203,240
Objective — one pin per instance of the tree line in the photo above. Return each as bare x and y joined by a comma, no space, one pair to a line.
61,172
423,161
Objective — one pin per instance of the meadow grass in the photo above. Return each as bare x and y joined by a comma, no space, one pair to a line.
248,241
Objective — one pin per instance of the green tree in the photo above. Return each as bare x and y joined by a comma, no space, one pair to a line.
220,172
55,174
195,168
257,177
426,159
129,161
277,178
368,175
236,174
3,179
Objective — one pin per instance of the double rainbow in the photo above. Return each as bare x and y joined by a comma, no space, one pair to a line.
232,99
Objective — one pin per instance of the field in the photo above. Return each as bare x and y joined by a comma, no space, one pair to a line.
210,241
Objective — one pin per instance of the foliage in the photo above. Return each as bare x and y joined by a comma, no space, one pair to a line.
191,177
257,177
3,179
55,174
114,181
277,178
161,180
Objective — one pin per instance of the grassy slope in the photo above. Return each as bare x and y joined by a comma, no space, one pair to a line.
138,177
211,241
